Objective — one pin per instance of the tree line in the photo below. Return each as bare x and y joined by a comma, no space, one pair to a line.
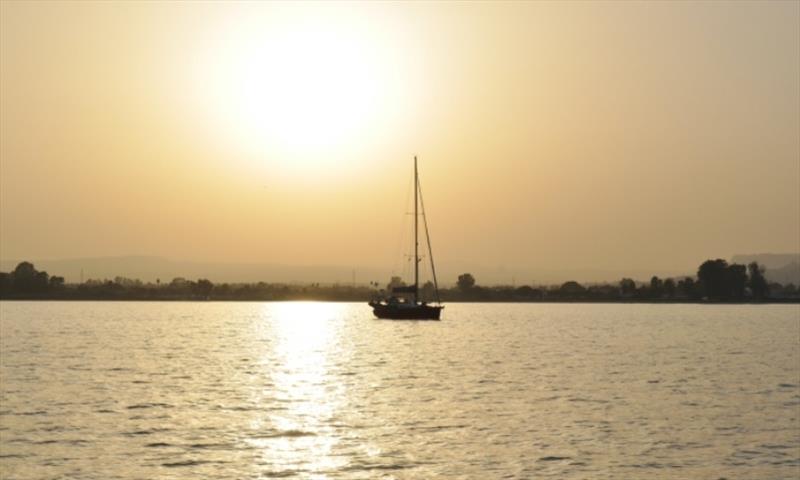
27,283
715,281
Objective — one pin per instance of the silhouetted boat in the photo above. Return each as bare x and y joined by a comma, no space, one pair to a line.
408,306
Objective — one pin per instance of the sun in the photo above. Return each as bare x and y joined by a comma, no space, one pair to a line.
304,89
303,86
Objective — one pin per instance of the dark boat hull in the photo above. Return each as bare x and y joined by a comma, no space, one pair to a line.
406,312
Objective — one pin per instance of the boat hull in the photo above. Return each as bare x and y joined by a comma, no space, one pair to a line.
406,312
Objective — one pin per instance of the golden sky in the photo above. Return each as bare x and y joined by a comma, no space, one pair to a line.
550,135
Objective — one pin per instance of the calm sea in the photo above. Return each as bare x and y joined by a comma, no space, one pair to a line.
323,390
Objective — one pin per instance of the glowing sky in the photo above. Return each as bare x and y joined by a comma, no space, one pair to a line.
550,135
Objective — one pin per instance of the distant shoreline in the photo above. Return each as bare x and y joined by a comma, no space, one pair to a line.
717,282
776,301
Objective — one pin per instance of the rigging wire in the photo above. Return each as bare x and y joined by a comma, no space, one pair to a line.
401,240
428,238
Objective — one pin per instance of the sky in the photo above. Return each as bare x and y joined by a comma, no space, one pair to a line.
643,136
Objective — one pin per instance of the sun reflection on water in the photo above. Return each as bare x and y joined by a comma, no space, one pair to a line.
302,426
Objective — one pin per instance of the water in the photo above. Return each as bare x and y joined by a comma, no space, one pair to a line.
323,390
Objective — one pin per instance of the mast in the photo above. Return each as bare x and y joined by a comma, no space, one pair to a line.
416,239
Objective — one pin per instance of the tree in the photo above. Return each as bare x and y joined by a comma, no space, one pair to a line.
395,282
24,277
428,290
721,281
41,281
736,281
528,293
669,287
712,278
127,282
757,282
572,289
25,270
687,287
656,285
627,287
56,282
203,288
5,283
465,281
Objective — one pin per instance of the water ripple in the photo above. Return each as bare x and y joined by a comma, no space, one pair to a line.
322,390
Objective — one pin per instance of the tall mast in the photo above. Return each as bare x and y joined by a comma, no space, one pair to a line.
416,239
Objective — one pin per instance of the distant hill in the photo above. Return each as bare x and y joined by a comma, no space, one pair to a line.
782,268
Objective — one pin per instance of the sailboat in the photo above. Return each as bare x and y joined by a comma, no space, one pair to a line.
411,306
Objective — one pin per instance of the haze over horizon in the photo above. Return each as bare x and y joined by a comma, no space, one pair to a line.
551,136
782,268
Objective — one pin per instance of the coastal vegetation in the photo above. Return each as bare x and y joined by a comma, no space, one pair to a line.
715,281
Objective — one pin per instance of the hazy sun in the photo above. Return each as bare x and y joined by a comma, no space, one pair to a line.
302,86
